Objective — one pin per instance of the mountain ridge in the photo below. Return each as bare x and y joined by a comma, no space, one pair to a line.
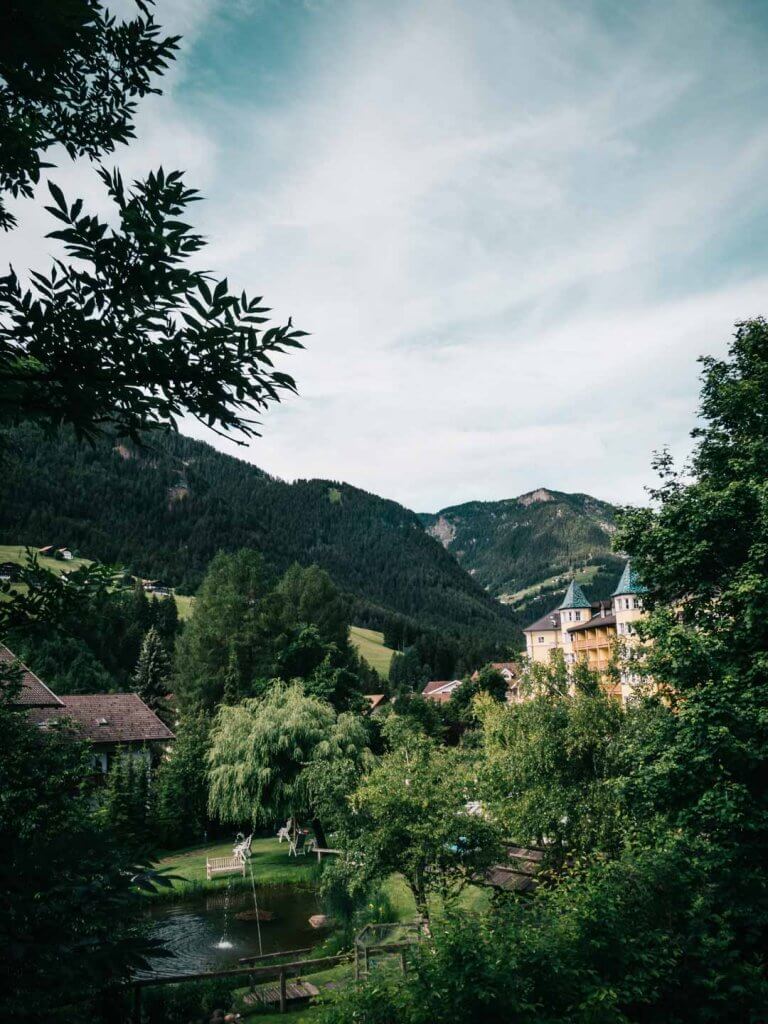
523,550
165,510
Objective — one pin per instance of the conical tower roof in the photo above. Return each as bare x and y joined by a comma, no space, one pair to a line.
629,583
574,597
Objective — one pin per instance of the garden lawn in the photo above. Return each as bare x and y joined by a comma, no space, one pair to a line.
473,898
270,861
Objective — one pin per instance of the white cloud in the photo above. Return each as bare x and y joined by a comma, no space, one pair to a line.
508,226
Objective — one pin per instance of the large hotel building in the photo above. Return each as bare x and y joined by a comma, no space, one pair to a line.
591,630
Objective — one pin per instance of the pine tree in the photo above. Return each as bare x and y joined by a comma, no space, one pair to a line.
153,670
127,804
181,785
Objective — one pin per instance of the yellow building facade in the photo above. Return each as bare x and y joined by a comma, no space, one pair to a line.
598,633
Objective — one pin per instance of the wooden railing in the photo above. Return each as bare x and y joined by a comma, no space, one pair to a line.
280,971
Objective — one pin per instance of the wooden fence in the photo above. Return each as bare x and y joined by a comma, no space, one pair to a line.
280,971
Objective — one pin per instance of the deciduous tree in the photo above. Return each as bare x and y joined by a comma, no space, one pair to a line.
71,929
70,74
264,751
410,816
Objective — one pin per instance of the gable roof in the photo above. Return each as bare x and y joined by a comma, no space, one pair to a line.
375,700
545,622
511,666
594,623
574,597
34,693
440,689
107,718
629,583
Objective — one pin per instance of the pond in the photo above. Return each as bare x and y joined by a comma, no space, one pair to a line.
192,927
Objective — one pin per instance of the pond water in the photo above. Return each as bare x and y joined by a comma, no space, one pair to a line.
191,928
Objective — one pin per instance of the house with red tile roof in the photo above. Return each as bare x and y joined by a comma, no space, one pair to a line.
110,722
511,671
375,701
440,690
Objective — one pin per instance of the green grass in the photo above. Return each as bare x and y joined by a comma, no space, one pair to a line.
472,899
583,577
185,603
18,553
370,646
270,860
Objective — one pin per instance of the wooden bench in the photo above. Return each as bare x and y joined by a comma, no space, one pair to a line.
224,866
322,850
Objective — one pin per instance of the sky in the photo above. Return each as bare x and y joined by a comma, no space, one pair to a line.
510,227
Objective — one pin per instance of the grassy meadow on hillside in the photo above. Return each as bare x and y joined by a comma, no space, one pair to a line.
370,647
18,553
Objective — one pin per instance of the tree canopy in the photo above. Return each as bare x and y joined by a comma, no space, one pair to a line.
70,74
66,886
264,751
409,816
128,336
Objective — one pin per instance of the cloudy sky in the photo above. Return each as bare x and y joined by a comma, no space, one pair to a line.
510,225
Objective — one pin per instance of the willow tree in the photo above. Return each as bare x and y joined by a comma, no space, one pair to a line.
267,752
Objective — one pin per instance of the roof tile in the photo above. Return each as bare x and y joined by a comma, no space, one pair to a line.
34,693
107,718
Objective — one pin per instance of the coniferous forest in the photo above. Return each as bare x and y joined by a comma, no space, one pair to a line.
163,511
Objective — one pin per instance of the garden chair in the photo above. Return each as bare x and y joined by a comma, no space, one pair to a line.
242,847
285,831
297,844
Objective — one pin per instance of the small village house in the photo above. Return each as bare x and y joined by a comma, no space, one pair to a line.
110,722
376,701
440,690
9,572
511,672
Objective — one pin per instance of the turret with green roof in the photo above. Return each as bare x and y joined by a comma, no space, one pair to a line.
574,597
629,583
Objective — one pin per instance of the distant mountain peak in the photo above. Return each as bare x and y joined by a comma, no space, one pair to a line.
524,550
534,497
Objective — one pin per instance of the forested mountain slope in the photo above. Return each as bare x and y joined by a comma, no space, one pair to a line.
165,511
524,549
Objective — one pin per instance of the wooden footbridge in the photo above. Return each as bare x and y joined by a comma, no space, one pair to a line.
279,984
252,974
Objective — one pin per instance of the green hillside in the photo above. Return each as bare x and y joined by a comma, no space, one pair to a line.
18,554
165,511
370,646
524,550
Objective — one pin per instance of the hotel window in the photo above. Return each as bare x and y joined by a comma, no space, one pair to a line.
577,616
540,639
